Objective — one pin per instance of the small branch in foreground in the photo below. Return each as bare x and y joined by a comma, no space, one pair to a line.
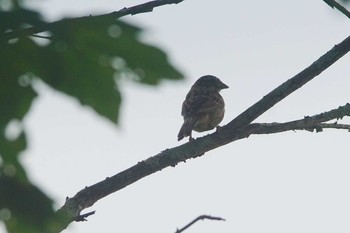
202,217
334,4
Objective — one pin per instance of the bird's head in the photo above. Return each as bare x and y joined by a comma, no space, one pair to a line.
211,82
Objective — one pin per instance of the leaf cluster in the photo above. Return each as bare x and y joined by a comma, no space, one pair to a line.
84,58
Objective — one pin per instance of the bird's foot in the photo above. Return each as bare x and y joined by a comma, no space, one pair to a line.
218,128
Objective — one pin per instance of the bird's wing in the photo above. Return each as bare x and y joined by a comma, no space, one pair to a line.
192,111
198,107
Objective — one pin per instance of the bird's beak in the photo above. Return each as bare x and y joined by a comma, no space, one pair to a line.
223,86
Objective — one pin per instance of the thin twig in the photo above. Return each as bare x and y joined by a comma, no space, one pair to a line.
269,128
334,126
82,218
42,37
202,217
145,7
336,5
138,9
309,123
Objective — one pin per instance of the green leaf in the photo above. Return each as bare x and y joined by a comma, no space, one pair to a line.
80,61
16,93
16,96
23,207
87,56
9,150
18,18
85,59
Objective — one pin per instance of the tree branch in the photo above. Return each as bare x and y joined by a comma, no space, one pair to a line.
236,129
138,9
202,217
288,87
308,123
334,126
336,5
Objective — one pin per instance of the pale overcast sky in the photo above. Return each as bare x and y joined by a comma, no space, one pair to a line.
287,182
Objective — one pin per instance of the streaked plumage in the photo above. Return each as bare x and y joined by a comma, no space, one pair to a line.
203,108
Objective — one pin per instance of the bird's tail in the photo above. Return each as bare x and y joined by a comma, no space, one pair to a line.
187,127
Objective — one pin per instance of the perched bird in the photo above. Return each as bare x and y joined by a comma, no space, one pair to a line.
203,108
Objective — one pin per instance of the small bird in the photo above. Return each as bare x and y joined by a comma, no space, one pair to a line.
203,108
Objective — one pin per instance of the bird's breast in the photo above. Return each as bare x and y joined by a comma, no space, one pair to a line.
210,120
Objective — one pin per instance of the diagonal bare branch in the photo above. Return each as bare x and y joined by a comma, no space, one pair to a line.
289,86
235,130
334,4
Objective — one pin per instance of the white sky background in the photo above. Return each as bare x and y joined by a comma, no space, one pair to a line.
287,182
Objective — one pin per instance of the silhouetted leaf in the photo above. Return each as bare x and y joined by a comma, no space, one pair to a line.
24,208
82,61
16,95
85,59
18,18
